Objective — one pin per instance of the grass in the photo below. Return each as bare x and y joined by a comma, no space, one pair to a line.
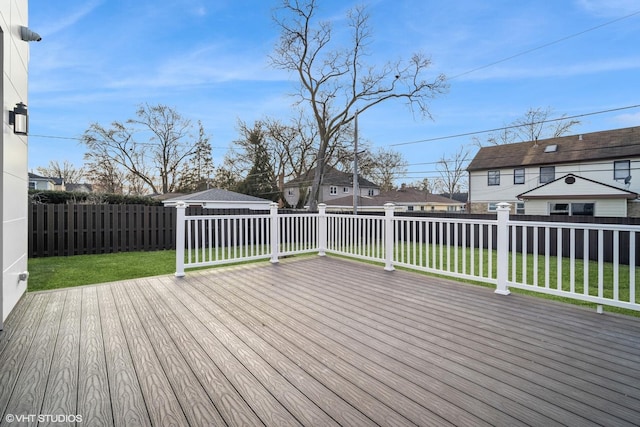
62,272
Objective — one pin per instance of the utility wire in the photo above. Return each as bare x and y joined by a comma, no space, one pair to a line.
544,45
439,138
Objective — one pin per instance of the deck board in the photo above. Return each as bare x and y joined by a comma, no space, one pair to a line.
315,341
94,399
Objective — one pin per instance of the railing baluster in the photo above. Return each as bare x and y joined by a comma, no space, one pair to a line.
585,263
600,263
536,254
616,266
572,260
559,258
547,256
632,267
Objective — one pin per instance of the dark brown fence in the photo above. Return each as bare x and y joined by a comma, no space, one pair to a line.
74,229
77,229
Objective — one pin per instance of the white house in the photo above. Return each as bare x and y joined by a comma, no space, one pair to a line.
592,174
14,180
335,185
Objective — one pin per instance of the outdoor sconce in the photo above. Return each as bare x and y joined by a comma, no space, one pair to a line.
19,119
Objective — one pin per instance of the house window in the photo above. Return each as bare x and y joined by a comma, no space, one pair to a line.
345,189
290,192
32,185
586,209
410,208
518,176
621,169
371,192
547,174
492,207
559,209
333,190
493,178
520,208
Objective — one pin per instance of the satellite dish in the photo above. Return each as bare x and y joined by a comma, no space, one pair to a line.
627,180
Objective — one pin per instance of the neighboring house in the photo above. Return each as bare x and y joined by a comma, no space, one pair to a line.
591,174
406,199
216,198
37,182
335,185
14,180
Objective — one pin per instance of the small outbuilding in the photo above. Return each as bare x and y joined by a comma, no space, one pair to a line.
217,198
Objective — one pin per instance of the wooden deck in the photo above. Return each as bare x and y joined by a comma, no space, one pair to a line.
318,342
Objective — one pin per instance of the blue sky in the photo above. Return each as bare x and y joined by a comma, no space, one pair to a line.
99,59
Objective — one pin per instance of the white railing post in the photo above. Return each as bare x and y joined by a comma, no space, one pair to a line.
322,229
388,236
503,248
275,234
181,210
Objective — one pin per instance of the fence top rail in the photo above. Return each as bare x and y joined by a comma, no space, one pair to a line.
198,217
576,225
343,215
447,220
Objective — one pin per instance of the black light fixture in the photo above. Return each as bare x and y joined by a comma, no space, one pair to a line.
19,119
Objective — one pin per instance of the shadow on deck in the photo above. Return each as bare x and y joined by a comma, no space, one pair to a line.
314,341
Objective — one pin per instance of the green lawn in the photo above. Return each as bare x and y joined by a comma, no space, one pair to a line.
61,272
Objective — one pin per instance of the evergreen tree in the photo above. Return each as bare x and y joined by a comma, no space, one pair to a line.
197,172
261,180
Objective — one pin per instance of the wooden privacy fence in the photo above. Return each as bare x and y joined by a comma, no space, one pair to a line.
75,229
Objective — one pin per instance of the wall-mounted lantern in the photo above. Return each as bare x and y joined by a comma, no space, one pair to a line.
19,118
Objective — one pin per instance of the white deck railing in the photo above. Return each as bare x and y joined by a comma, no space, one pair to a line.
546,257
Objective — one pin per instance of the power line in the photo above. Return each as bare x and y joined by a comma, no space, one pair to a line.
544,45
439,138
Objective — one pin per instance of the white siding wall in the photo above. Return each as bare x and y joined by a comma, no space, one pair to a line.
601,171
13,181
603,207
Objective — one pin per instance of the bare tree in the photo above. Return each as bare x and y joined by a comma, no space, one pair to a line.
383,166
453,172
67,171
335,81
537,123
105,175
429,185
156,161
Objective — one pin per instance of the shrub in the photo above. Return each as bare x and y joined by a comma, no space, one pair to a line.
69,197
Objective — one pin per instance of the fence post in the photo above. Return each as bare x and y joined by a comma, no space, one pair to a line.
388,236
181,209
503,248
275,235
322,229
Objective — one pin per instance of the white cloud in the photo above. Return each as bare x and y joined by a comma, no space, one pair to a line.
609,7
69,18
574,69
629,119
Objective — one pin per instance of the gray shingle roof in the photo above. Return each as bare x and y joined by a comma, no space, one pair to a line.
217,195
610,144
